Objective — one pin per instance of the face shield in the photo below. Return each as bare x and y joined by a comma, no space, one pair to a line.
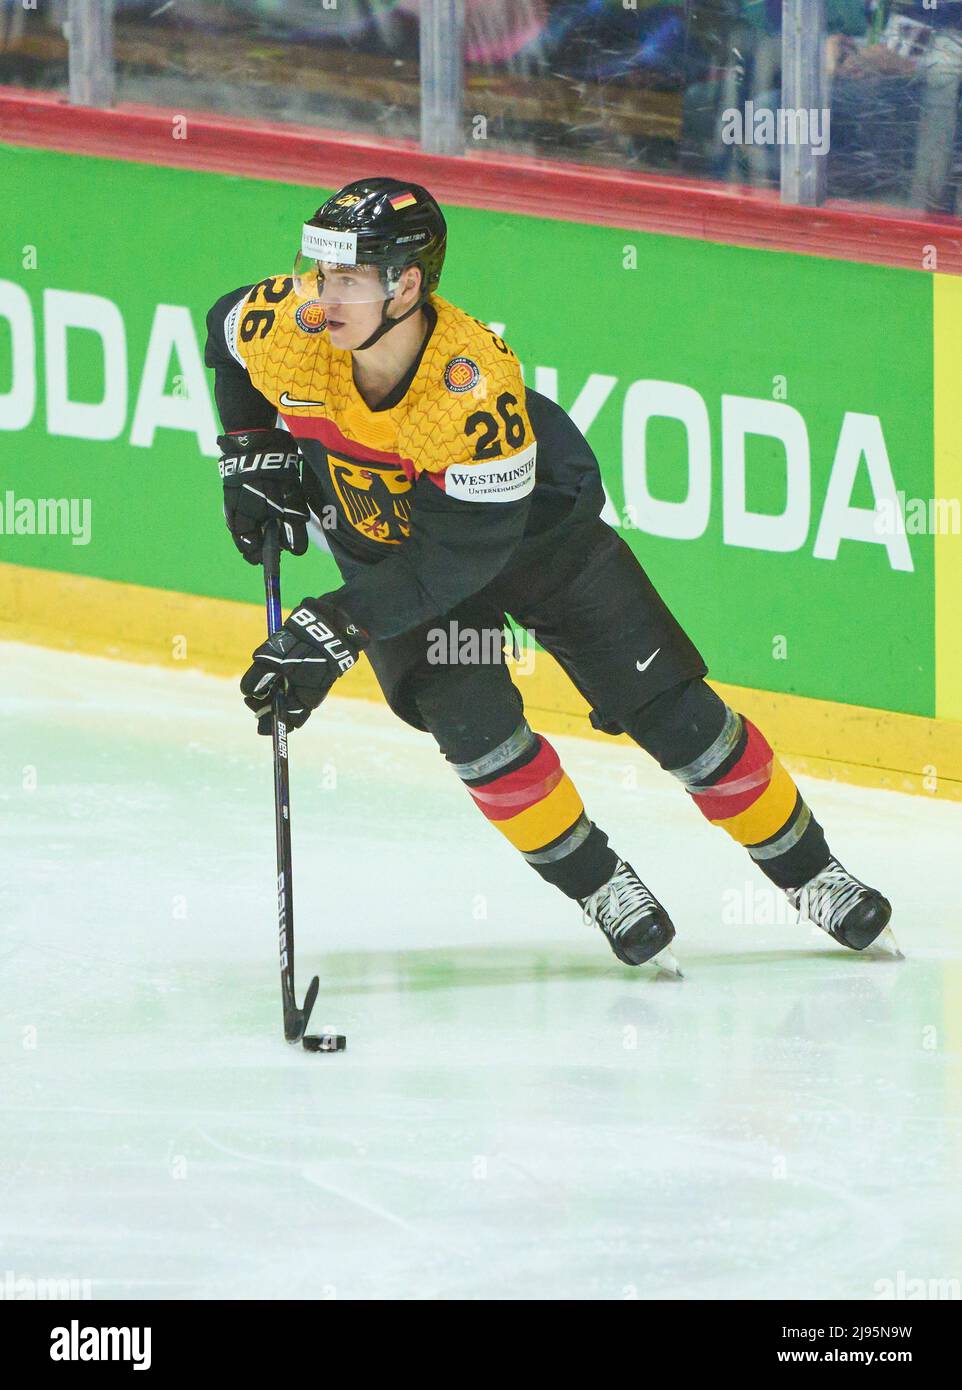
326,269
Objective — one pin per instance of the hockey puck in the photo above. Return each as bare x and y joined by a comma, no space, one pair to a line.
324,1042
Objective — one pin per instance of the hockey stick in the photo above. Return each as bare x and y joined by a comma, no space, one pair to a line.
295,1019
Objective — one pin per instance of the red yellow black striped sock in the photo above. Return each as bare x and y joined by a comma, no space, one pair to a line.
740,785
523,790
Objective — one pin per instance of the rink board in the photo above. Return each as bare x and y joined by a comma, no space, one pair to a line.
182,633
754,413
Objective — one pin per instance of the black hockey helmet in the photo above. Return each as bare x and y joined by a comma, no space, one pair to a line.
374,222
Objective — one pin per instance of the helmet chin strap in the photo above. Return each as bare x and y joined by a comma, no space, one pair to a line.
386,324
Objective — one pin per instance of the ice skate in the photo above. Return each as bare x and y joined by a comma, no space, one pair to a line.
853,914
638,928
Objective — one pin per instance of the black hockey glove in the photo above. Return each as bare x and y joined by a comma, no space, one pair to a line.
262,482
315,646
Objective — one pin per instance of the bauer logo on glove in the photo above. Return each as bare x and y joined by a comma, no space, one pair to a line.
260,470
253,463
307,619
314,647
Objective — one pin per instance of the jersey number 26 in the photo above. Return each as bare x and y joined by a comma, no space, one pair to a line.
488,429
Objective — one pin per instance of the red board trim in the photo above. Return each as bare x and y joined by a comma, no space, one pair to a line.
571,192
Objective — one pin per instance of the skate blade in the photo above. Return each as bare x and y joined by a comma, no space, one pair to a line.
666,963
886,944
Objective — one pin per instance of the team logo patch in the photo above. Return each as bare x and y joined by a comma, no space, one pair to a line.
375,497
461,374
310,317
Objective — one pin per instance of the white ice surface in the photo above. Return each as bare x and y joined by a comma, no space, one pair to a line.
517,1115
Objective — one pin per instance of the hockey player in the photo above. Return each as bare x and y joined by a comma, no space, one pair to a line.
459,496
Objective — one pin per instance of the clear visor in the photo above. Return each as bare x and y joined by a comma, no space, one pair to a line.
333,283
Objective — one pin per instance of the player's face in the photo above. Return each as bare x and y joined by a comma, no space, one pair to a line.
352,298
353,301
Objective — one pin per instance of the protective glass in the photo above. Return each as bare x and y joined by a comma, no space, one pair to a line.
326,269
339,284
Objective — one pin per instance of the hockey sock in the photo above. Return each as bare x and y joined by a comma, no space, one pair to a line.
735,779
522,789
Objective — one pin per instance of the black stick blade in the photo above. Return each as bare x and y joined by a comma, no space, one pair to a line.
295,1019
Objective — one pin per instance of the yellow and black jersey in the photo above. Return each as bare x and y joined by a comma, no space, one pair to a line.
436,480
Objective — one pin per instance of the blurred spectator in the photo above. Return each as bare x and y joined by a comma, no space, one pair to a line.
734,56
602,79
636,83
506,32
895,101
13,22
937,45
33,49
602,40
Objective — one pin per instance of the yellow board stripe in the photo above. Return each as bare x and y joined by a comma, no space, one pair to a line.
947,337
766,816
546,820
947,484
187,632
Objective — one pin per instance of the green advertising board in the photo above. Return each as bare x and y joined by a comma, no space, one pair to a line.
761,418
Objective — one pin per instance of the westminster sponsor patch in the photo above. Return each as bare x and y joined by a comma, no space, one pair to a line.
230,330
499,480
325,244
310,317
461,374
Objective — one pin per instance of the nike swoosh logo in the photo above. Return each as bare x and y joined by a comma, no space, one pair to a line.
287,400
643,665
